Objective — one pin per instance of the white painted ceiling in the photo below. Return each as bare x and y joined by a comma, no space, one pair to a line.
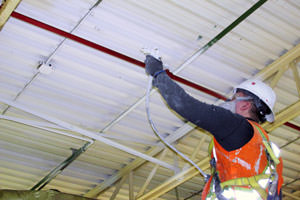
95,97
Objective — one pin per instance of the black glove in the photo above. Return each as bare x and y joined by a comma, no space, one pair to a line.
153,65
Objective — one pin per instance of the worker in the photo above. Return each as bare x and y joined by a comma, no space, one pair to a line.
243,161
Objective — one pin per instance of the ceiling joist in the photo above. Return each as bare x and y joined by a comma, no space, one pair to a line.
295,71
283,116
283,61
6,9
151,175
138,162
176,180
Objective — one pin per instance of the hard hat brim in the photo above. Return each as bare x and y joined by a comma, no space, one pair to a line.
270,117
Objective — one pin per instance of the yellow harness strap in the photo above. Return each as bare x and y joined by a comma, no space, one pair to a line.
252,181
268,146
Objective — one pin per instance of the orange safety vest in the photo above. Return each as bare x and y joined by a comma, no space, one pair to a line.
248,161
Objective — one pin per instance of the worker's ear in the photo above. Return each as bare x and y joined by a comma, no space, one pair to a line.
245,105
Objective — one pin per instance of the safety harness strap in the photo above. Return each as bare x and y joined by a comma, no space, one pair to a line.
210,147
251,181
268,146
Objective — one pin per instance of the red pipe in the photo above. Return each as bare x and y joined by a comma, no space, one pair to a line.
108,51
75,38
121,56
195,86
292,126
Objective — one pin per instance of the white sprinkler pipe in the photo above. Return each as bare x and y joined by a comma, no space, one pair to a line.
42,126
90,134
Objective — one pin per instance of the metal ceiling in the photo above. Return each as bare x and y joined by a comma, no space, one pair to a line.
90,110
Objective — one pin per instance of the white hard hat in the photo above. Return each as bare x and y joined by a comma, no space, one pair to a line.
264,92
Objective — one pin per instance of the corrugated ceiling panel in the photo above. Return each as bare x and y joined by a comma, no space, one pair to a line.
98,92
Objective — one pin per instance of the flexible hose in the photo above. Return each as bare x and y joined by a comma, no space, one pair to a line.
206,176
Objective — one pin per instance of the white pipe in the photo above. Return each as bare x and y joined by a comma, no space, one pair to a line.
126,112
40,126
89,134
53,127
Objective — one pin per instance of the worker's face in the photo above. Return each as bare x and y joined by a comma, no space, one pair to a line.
242,103
238,103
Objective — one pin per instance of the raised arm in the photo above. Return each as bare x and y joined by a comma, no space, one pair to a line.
231,130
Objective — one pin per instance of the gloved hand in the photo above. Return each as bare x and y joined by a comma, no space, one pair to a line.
153,61
153,65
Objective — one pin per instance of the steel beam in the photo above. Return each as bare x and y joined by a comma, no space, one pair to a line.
6,10
151,175
175,180
290,195
138,162
118,187
195,151
295,71
283,116
283,61
130,183
278,75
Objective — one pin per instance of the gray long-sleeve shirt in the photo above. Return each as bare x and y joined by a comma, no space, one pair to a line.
231,130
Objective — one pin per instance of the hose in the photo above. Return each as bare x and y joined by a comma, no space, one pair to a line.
169,146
